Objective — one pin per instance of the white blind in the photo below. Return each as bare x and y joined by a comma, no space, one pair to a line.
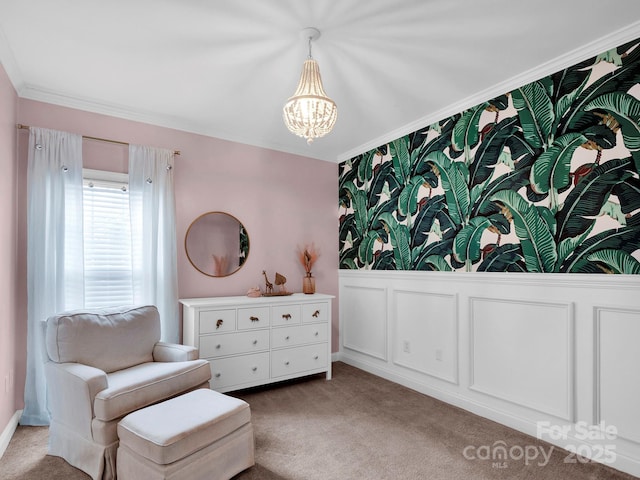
107,240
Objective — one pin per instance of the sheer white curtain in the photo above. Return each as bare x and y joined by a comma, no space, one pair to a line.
153,234
54,250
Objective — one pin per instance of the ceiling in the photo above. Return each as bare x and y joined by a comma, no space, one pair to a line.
225,68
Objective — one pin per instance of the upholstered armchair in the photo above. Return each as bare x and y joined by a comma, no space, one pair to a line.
103,365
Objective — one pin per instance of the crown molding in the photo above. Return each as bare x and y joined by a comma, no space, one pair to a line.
573,57
41,94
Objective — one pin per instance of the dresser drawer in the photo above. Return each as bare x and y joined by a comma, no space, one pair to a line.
230,371
298,335
257,317
215,321
234,343
315,312
289,361
285,315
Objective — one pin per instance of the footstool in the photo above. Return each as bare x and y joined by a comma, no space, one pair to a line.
202,434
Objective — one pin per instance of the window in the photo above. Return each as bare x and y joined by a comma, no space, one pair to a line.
107,239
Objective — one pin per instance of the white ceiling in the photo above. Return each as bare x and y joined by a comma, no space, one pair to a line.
224,68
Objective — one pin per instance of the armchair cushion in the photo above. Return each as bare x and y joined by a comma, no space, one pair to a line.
173,352
137,387
109,339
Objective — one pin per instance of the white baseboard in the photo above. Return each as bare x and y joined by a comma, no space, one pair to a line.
7,433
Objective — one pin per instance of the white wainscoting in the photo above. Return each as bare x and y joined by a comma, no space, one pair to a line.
367,333
425,333
618,352
530,351
517,346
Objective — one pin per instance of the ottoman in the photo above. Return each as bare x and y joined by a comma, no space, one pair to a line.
202,434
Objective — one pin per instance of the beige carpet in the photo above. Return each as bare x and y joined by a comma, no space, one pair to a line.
356,426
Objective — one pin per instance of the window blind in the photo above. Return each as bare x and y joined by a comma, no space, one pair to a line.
107,240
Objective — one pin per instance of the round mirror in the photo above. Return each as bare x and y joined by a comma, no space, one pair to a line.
217,244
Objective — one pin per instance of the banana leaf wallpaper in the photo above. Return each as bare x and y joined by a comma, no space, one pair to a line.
541,179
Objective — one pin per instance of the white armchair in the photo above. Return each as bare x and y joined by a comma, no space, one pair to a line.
103,365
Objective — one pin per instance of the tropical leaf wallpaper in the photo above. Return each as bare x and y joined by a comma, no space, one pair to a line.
541,179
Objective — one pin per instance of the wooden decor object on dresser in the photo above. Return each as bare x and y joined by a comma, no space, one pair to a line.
256,341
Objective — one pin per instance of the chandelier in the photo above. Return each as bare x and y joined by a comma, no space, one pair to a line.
309,113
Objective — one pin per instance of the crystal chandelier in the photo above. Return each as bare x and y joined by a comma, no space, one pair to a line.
309,113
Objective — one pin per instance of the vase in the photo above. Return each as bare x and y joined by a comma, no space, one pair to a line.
308,284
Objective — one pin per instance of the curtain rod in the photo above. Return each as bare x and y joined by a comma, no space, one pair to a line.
26,127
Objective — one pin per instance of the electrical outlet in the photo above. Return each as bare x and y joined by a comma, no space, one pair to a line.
406,346
439,355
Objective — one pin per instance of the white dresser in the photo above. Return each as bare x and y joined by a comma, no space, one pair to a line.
255,341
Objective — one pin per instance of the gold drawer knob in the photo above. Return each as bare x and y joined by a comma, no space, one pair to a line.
316,357
217,375
254,319
219,323
255,342
286,316
218,346
287,337
316,334
254,369
287,362
316,314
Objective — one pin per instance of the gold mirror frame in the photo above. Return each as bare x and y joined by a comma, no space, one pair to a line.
217,244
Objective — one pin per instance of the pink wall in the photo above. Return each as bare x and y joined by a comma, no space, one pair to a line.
283,200
8,229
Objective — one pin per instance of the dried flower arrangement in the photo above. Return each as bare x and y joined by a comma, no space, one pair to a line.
307,257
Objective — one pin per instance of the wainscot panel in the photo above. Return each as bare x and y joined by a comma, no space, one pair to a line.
367,332
617,336
541,353
506,336
426,333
